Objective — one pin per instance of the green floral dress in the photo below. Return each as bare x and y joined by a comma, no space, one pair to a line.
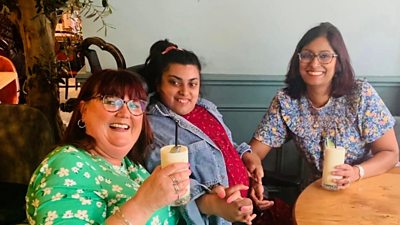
72,186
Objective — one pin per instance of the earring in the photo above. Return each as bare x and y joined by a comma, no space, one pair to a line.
81,124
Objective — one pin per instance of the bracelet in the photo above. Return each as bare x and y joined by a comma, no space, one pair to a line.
122,216
361,171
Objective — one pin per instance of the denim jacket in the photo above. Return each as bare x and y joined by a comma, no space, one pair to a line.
205,158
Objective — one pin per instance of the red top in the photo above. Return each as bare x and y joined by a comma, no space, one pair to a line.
205,121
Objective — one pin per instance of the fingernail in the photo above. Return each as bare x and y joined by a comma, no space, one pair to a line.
244,208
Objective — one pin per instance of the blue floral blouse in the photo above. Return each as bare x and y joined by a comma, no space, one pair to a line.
350,121
72,186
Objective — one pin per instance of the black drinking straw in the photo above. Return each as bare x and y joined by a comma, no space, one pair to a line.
176,135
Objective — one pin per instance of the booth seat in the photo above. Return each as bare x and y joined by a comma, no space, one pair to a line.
25,139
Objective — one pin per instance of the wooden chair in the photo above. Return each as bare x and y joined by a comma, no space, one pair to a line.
9,93
65,71
286,176
92,56
94,62
25,139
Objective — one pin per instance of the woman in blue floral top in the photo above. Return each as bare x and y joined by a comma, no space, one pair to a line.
96,177
323,101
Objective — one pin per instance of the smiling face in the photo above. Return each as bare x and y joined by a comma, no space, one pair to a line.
115,132
314,73
180,87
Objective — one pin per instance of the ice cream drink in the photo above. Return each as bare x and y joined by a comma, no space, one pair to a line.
173,154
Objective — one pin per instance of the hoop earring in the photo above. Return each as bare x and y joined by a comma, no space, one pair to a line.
81,124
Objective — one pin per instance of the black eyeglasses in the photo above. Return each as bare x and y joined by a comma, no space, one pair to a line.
323,57
114,104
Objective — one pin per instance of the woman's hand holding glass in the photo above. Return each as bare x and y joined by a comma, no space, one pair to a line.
348,173
164,186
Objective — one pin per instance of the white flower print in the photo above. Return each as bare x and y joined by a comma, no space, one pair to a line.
120,196
155,221
57,196
63,172
48,171
81,214
75,169
69,182
136,186
101,178
68,214
114,210
70,149
139,180
86,174
116,188
132,169
85,201
103,193
76,196
51,215
36,203
111,202
47,191
44,167
99,204
103,167
43,183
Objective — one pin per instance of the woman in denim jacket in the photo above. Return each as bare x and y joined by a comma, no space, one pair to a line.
174,75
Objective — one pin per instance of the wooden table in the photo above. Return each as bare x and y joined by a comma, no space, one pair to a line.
371,201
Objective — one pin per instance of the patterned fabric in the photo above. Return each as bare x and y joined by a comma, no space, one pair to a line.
73,187
350,121
237,173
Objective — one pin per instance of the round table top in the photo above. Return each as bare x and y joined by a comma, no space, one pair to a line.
375,200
